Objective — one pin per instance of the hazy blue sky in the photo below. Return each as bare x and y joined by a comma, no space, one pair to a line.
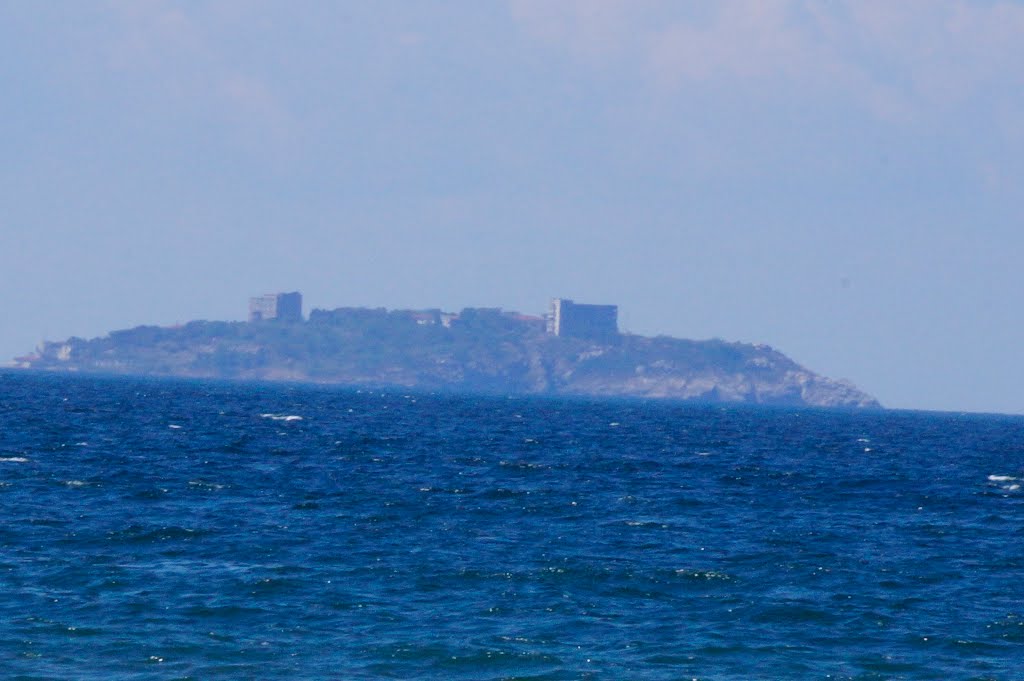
841,180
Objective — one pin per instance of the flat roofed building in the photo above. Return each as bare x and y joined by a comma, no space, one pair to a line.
286,307
575,320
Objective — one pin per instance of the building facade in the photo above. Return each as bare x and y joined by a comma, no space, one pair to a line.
285,307
574,320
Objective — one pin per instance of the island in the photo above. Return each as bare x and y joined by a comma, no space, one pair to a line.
575,349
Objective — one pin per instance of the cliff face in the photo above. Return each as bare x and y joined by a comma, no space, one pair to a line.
707,370
484,350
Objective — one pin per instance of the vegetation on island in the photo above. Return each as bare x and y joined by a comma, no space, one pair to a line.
480,349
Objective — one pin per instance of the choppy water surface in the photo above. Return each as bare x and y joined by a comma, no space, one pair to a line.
165,529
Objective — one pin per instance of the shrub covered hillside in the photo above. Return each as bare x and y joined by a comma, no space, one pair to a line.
479,349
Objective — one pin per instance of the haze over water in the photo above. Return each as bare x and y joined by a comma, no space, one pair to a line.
839,180
175,529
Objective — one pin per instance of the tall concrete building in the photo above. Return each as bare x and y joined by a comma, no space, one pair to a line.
285,307
575,320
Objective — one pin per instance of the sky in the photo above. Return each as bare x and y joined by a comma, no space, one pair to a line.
841,180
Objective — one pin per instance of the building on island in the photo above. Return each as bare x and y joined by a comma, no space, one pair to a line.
575,320
430,317
285,307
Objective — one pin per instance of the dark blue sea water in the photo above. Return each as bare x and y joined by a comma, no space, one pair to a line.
187,530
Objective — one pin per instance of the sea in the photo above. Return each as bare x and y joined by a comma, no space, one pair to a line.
176,529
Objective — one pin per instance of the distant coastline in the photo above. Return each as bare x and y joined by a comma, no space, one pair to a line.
576,349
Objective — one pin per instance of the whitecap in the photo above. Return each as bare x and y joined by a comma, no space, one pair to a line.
201,484
703,574
281,417
1001,478
174,426
13,459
